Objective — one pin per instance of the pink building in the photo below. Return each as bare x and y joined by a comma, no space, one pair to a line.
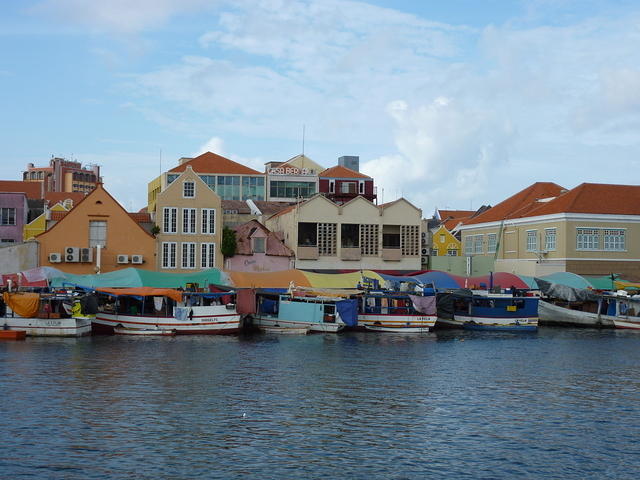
259,250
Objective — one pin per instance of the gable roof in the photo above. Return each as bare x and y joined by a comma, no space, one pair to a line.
341,172
273,245
519,205
212,163
32,190
595,198
60,197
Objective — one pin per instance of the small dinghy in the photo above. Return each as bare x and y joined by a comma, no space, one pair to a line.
286,330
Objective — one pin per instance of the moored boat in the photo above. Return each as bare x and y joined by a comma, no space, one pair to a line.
143,331
166,309
46,314
319,312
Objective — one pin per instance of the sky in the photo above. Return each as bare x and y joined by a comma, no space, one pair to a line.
451,104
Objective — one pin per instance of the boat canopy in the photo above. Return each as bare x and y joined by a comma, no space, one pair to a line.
143,292
24,304
564,292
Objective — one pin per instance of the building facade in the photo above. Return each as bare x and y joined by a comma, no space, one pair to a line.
355,235
97,235
293,180
64,176
189,216
341,185
13,217
259,250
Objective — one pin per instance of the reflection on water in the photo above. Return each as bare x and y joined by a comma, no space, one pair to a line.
560,403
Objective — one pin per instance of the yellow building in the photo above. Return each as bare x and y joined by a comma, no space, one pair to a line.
444,243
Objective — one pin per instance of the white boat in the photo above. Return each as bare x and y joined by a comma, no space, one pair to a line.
166,309
579,314
286,330
44,314
397,312
143,331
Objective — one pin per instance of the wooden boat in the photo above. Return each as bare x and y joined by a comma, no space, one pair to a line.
397,312
13,334
166,309
44,314
305,309
484,310
286,330
143,331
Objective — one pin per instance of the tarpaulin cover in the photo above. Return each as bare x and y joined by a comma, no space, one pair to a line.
426,305
566,278
348,310
26,305
89,304
143,292
563,292
268,305
136,277
280,279
246,301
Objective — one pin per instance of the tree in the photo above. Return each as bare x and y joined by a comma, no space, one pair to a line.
229,243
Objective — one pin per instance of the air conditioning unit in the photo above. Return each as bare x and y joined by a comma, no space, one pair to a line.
425,260
137,259
122,258
425,251
55,257
86,255
71,254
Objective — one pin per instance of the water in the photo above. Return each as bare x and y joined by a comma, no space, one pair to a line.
560,403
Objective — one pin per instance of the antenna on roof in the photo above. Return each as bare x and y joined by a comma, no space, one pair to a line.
160,159
303,128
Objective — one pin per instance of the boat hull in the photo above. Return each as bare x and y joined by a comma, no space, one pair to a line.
143,332
267,321
551,314
397,323
49,327
513,324
215,324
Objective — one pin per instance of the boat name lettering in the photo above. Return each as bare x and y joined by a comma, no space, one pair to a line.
53,323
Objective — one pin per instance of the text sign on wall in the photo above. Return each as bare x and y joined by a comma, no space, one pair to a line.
290,171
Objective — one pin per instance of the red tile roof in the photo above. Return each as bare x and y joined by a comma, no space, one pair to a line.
341,172
33,190
60,197
274,245
57,216
211,163
519,205
594,198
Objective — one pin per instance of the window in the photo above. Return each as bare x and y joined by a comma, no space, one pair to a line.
452,252
391,236
188,220
614,239
477,243
208,221
171,177
188,255
587,239
7,216
369,239
434,252
532,240
492,242
327,239
207,255
348,187
410,239
468,245
228,187
97,233
332,186
258,244
549,239
170,220
253,187
361,187
307,234
443,238
350,235
210,180
169,254
188,190
282,189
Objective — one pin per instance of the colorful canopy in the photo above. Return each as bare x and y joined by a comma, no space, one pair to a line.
143,292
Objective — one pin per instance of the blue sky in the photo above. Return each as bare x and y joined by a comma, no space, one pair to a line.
450,104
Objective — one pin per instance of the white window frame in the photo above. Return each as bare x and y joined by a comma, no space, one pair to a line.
361,187
169,251
264,244
477,243
188,257
189,222
587,238
207,255
468,244
550,239
7,214
188,189
614,239
492,242
532,240
170,220
332,186
208,218
97,233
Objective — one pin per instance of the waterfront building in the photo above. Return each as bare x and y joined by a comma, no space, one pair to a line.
545,228
229,179
97,235
293,180
13,216
238,212
63,176
188,214
354,235
341,184
259,250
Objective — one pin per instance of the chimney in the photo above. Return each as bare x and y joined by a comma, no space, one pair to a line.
183,160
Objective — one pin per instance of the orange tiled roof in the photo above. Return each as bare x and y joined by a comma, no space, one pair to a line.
212,163
274,245
33,190
341,172
57,216
60,197
596,198
519,205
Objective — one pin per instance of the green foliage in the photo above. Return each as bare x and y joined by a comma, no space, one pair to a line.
229,243
155,230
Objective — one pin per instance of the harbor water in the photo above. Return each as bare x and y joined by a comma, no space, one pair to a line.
559,403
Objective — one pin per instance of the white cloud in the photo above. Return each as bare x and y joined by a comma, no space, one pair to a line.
213,145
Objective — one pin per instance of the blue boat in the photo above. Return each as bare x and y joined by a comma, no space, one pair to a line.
484,310
316,312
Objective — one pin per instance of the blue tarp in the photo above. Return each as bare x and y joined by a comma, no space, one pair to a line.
348,310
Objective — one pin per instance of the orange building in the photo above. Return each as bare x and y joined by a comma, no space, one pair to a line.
97,221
